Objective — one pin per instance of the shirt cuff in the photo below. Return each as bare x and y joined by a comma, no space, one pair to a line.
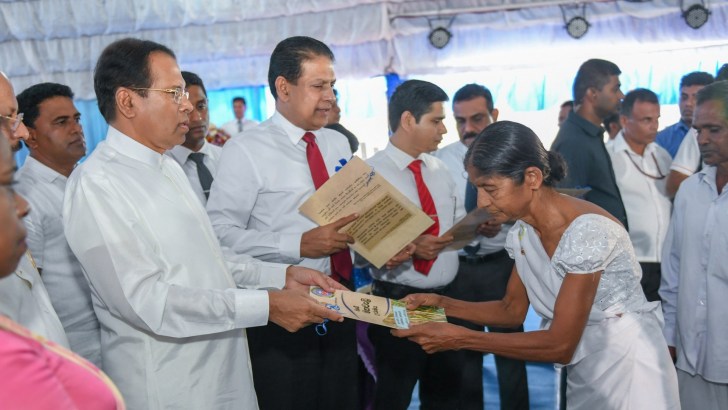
251,308
290,245
272,275
669,333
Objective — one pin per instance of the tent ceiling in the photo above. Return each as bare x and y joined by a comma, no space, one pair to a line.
230,41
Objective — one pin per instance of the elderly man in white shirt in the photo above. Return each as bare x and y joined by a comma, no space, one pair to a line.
236,127
694,269
165,293
23,296
640,167
262,180
196,156
56,143
416,113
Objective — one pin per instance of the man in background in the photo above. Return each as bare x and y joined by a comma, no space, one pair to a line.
335,124
56,144
564,110
641,166
234,128
672,136
485,266
580,140
196,156
23,296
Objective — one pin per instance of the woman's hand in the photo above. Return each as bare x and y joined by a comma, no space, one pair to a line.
434,336
416,300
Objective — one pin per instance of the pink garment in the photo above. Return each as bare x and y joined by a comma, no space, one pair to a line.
38,374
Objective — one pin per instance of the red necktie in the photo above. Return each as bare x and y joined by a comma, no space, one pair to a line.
340,261
428,206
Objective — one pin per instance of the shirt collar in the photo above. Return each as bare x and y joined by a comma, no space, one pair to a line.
42,171
707,175
402,159
180,153
293,132
682,127
133,149
588,127
620,144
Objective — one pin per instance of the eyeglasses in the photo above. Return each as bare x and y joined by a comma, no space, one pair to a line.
178,93
14,121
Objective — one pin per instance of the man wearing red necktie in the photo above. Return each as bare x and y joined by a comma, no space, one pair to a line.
416,113
261,181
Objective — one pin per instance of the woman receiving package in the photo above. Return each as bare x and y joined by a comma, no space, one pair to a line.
574,263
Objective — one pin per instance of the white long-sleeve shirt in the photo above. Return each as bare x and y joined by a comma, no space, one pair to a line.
645,199
62,276
211,158
261,181
695,278
24,299
391,163
164,292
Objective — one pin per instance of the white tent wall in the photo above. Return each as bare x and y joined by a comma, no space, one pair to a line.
518,48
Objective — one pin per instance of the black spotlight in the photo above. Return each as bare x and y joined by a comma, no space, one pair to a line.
577,27
696,15
439,37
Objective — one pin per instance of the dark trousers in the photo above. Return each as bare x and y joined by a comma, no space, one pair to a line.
485,279
651,276
305,371
401,363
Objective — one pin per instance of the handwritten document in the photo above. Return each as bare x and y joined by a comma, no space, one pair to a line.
387,222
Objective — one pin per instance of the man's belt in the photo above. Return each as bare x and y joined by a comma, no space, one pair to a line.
478,259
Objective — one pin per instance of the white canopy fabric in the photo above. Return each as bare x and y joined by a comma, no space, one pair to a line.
230,40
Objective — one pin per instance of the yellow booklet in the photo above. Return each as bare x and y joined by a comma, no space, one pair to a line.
376,309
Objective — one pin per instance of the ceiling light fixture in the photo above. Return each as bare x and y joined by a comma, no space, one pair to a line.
576,26
696,15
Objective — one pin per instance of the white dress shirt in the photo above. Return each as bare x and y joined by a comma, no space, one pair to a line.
687,158
164,292
62,275
24,299
210,159
694,284
453,156
391,163
645,199
234,130
261,181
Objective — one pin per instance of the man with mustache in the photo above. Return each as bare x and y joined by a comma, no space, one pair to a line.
262,179
196,156
694,273
485,266
23,296
56,144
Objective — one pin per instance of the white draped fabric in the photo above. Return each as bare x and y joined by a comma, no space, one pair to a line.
231,40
